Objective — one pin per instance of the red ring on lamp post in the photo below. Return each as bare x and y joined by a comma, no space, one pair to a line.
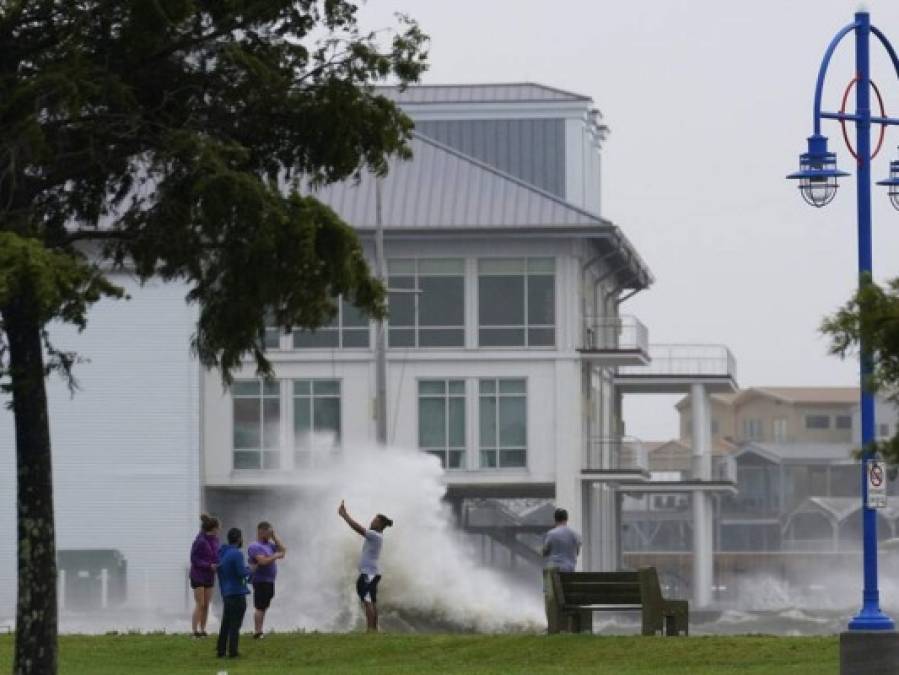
883,127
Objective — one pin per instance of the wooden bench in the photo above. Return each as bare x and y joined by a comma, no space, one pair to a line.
572,597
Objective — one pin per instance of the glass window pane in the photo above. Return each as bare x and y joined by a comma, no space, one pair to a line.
245,388
431,423
271,388
457,387
326,416
457,422
324,338
487,386
541,301
512,422
401,337
442,266
455,458
401,306
247,460
272,338
246,423
501,337
352,315
302,421
541,337
512,387
488,459
432,387
326,387
487,421
442,301
512,458
400,266
302,387
441,337
271,460
356,338
501,301
501,266
541,265
271,421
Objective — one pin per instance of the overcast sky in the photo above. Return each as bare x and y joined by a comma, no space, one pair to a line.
709,104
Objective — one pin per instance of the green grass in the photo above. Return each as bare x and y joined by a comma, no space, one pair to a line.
385,653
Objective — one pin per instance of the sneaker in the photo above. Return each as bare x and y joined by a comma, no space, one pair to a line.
258,636
197,634
203,633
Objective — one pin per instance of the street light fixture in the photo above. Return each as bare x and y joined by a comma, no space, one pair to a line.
892,183
818,173
817,178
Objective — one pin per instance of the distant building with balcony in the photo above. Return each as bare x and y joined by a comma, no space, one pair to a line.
797,482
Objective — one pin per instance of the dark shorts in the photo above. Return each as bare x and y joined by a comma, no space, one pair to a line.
263,592
367,590
199,584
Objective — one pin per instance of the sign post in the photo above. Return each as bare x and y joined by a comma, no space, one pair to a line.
877,484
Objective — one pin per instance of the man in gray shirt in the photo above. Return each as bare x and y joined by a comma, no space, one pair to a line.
369,570
561,545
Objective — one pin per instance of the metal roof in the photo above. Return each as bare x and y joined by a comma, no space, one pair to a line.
500,92
801,453
444,188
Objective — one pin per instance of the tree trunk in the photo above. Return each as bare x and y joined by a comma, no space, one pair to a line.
36,620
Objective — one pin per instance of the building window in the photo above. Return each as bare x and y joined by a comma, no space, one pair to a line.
714,427
817,422
752,429
316,419
516,302
884,431
503,423
349,329
843,422
256,424
428,307
780,429
441,420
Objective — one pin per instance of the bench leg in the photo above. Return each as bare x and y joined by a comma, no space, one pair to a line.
585,622
670,625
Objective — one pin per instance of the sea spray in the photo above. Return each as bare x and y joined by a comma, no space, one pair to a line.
429,572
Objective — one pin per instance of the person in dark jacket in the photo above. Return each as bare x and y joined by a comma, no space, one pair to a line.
204,557
233,575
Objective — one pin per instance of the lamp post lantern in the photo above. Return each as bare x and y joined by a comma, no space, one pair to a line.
818,176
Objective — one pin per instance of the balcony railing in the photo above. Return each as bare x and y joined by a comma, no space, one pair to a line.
615,454
686,360
615,334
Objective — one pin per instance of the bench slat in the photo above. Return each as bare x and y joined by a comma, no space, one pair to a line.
633,577
603,599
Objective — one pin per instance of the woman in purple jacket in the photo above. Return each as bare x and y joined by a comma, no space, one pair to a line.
203,562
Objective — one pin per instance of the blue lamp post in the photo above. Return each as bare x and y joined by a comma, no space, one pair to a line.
817,178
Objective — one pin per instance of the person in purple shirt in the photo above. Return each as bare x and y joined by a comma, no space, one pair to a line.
262,555
204,555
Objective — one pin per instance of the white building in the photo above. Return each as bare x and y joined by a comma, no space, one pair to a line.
505,361
126,456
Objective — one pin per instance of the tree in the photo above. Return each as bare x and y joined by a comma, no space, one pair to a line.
871,317
177,138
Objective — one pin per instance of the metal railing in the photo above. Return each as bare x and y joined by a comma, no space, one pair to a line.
724,468
615,454
615,334
712,360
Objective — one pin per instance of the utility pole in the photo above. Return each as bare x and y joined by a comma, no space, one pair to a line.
381,328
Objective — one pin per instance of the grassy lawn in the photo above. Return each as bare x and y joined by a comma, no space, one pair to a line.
385,653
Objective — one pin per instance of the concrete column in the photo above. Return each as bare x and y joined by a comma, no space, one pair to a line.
601,535
703,552
703,555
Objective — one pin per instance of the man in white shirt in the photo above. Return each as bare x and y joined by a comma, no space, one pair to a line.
369,572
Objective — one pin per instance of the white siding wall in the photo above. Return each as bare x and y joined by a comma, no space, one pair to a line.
125,448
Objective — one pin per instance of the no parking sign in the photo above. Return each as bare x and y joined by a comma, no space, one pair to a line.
876,472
